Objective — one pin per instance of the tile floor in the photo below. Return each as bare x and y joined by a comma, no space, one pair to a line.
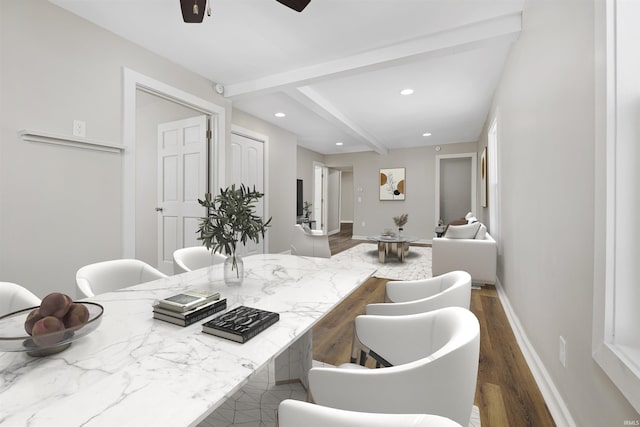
256,403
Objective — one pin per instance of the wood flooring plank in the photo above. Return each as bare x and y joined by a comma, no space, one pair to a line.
491,403
521,394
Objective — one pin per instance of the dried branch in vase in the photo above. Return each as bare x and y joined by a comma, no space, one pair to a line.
401,220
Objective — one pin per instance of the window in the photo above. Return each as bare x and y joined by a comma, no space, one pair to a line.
616,314
494,188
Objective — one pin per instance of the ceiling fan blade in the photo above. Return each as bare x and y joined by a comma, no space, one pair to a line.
187,10
297,5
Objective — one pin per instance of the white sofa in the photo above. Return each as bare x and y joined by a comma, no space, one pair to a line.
476,256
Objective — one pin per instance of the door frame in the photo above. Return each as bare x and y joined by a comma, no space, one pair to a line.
474,189
132,82
264,139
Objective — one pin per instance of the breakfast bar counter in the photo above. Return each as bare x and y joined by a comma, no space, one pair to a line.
134,370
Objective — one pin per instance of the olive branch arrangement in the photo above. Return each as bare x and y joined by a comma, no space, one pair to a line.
231,219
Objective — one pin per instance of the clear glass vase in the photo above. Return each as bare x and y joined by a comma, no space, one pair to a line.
233,270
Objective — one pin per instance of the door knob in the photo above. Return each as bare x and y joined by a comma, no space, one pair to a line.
159,209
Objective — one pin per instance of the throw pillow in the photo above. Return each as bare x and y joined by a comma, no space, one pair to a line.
459,221
482,232
467,231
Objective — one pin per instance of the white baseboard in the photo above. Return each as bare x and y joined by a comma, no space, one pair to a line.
550,393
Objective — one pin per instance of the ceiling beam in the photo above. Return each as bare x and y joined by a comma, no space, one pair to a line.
321,106
462,38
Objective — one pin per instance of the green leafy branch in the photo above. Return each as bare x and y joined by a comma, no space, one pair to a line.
231,219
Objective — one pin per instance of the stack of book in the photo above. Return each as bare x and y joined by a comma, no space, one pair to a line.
189,307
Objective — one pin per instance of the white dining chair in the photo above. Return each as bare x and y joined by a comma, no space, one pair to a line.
107,276
431,366
451,289
294,413
14,297
194,258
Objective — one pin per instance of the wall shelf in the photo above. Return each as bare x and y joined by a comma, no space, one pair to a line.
71,141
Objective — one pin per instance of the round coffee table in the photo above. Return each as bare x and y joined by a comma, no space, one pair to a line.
392,244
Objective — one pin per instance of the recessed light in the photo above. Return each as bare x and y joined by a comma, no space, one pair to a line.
339,143
406,92
426,134
280,114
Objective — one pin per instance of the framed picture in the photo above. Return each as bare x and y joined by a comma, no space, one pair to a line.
392,184
483,178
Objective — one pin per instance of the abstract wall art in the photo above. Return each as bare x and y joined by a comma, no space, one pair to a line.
392,184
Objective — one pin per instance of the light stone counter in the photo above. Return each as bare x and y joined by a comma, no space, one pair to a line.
137,371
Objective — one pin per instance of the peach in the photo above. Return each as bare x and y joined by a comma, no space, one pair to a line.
32,318
77,315
48,325
55,304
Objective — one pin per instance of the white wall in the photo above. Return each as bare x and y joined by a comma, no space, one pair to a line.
305,170
61,207
546,106
281,178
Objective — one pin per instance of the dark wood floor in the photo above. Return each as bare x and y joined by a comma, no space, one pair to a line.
506,392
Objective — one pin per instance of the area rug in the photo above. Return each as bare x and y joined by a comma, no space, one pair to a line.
416,265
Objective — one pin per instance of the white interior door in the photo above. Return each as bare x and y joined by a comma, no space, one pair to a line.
333,201
182,179
319,196
247,167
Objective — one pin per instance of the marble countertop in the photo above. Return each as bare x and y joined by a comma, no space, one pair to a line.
135,370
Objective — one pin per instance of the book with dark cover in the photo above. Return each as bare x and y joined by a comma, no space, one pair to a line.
188,300
190,317
241,324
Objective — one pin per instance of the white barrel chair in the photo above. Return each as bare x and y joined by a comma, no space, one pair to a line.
294,413
14,297
194,258
451,289
431,364
107,276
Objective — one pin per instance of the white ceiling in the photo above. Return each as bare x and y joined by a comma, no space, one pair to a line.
337,68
